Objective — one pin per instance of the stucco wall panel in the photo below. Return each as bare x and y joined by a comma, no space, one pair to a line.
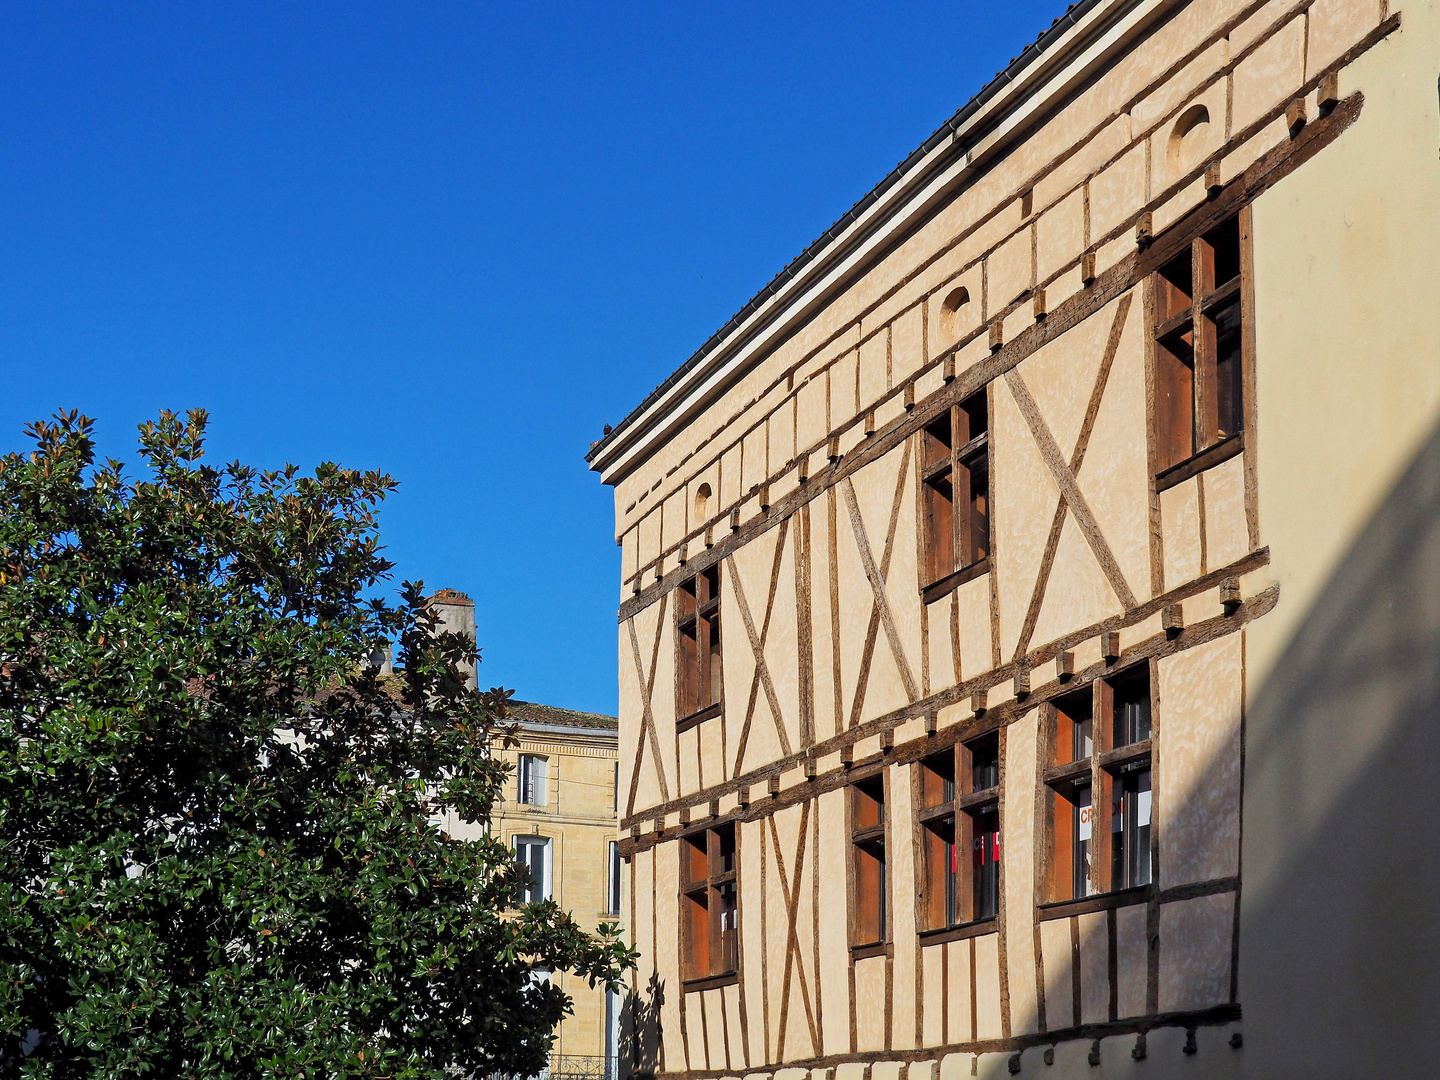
1200,762
958,968
932,967
1019,836
1025,497
834,927
870,1004
1060,235
1227,536
1335,25
1118,193
1180,532
1269,75
973,600
1058,954
1113,476
1131,961
1196,938
1094,968
987,986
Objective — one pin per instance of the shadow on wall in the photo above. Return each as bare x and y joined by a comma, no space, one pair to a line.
1340,922
640,1030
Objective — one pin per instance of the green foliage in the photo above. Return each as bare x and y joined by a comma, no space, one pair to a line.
221,841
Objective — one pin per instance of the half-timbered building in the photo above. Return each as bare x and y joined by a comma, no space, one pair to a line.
989,578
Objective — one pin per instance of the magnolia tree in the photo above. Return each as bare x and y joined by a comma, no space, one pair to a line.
223,849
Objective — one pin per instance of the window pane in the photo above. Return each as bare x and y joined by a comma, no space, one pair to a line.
1083,817
979,509
1228,412
937,780
939,511
1132,707
729,927
1175,399
987,865
985,763
1225,241
696,916
941,870
869,800
614,906
869,893
1130,830
714,679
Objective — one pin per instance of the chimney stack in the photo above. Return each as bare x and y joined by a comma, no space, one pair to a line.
457,615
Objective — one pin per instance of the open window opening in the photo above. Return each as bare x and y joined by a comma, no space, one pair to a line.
697,606
709,901
1199,395
955,511
1098,787
959,792
869,922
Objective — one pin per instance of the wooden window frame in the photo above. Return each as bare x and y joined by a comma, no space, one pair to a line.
965,804
862,841
955,536
1065,775
710,954
1187,437
699,660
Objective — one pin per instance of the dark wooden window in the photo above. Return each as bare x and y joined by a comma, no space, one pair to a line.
960,835
1199,395
709,902
869,922
1098,787
955,495
697,607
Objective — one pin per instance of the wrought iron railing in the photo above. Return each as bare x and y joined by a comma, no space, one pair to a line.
574,1067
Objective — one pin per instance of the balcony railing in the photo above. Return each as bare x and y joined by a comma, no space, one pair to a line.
574,1067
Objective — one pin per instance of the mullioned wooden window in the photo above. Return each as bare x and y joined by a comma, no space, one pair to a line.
697,606
1199,350
1098,788
960,835
869,914
955,496
709,904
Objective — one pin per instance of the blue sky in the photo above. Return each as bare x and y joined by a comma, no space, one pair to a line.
451,241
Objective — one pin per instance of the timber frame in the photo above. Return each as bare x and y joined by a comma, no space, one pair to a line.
865,662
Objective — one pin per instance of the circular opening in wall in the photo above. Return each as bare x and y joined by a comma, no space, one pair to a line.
1188,139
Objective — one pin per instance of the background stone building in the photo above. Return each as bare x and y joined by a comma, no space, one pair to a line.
558,814
559,817
1030,612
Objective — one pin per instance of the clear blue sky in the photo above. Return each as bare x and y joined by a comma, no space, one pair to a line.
446,240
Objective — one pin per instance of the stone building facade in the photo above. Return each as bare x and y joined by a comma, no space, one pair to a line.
559,816
1030,612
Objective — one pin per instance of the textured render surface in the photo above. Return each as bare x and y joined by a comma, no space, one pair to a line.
1198,811
766,419
1195,942
1341,679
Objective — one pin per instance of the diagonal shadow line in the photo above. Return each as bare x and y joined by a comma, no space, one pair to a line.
1052,541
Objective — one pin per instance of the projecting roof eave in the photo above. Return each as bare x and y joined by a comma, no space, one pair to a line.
1083,40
